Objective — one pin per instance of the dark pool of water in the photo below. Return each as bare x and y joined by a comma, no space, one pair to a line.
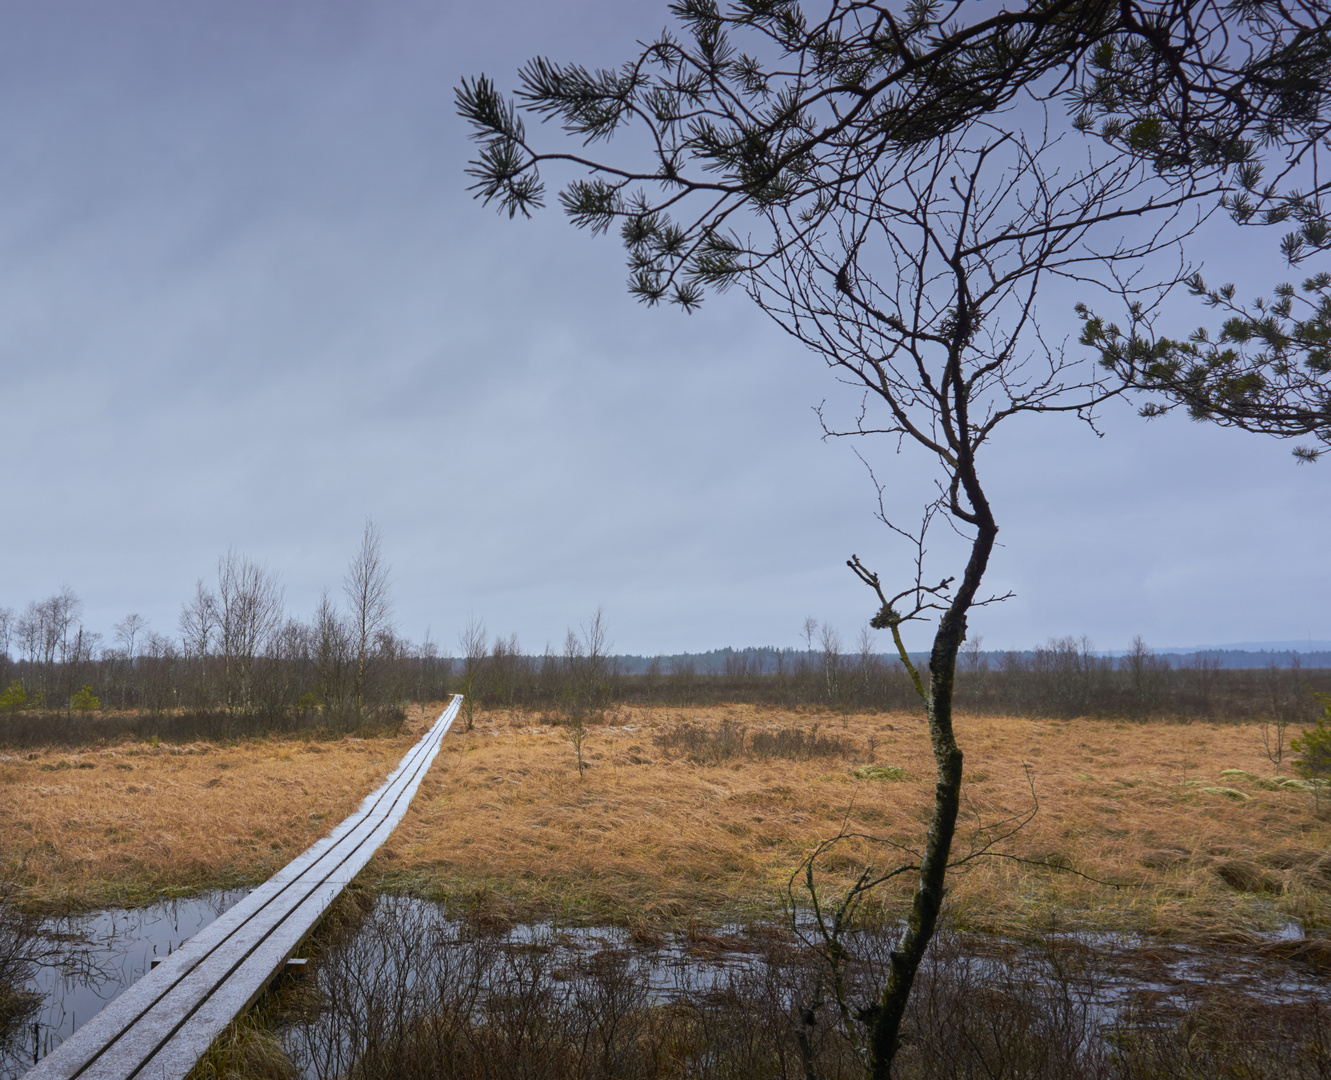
103,953
107,951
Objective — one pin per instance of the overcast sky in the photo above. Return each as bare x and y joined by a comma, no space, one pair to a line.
246,300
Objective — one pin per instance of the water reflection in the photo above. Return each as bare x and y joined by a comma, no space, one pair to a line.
411,972
102,954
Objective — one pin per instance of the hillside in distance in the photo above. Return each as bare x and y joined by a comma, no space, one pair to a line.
759,660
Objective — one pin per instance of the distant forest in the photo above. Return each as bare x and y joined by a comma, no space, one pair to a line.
770,659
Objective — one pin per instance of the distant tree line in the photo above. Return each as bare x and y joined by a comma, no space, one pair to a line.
238,663
241,664
1065,678
768,658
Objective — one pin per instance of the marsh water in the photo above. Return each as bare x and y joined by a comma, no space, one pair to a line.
99,955
103,953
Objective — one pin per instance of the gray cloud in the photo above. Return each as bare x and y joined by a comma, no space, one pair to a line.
246,300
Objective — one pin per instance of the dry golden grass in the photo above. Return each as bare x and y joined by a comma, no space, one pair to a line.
503,820
642,834
123,824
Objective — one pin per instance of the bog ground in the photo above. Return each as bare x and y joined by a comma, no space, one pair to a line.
701,815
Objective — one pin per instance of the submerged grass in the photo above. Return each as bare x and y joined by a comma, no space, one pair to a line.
700,814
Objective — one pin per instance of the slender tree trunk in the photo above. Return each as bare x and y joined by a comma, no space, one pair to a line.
885,1025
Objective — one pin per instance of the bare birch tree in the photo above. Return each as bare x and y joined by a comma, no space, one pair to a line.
370,602
128,631
44,632
7,625
198,625
472,640
333,656
249,612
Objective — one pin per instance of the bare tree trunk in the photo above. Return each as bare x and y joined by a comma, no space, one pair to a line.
885,1024
332,649
249,602
367,589
472,639
198,621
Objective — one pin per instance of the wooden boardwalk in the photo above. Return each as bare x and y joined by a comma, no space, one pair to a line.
159,1027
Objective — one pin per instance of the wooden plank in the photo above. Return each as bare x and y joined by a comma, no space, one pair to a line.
160,1026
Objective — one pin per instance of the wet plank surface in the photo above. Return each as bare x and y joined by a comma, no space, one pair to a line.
158,1028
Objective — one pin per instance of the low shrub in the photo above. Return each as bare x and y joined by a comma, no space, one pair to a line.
413,994
1222,1034
84,700
1314,746
797,744
86,728
879,772
712,745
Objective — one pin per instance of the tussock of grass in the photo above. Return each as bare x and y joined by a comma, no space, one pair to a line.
246,1050
879,772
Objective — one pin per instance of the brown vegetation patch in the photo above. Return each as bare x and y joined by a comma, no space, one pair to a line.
665,827
708,824
1246,877
129,822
